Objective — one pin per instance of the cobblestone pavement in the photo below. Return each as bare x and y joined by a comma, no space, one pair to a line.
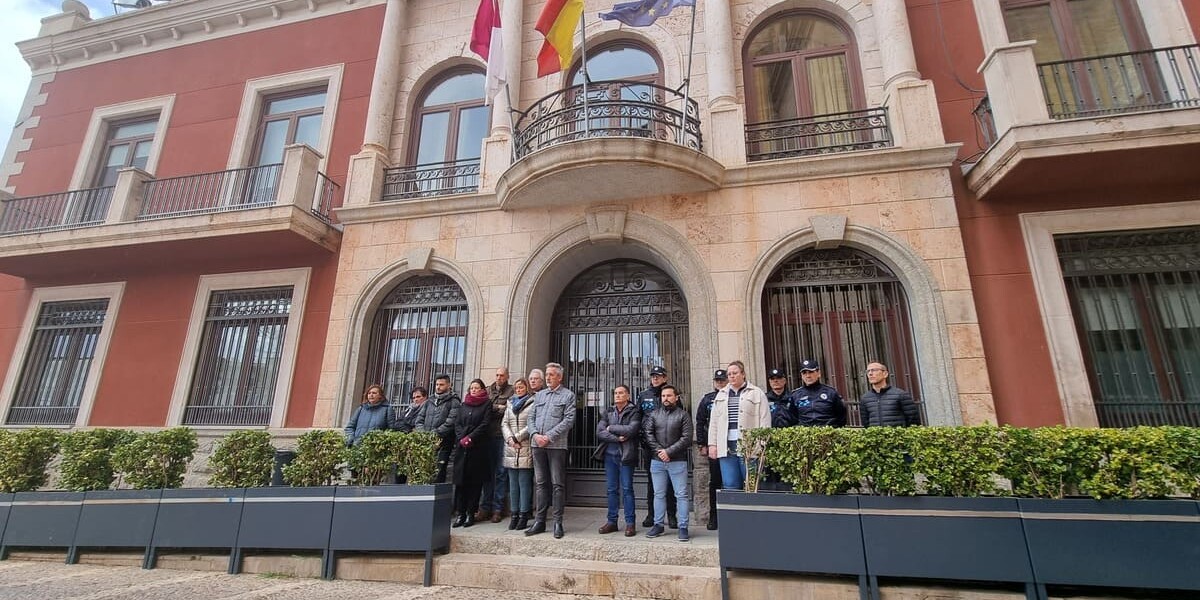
21,580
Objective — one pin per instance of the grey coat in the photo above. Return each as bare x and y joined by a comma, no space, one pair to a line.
438,415
552,415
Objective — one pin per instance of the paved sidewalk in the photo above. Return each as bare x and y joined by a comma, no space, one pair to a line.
27,580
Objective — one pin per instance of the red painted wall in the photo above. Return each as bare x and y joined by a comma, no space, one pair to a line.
207,79
1192,8
1018,358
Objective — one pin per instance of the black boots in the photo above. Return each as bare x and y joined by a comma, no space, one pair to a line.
523,520
536,528
712,520
460,521
512,523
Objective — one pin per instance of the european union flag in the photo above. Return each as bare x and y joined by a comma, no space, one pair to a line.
643,13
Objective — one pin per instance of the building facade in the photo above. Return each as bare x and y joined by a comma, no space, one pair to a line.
802,179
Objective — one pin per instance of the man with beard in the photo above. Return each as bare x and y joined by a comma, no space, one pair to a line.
437,415
649,399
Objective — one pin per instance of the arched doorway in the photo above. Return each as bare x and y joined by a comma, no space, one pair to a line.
846,309
612,323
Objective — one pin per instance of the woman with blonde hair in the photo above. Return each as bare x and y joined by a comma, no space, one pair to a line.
518,454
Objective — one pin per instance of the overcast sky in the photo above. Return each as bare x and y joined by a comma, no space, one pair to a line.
22,18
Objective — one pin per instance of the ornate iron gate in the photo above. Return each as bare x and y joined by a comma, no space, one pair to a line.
845,309
1135,297
611,325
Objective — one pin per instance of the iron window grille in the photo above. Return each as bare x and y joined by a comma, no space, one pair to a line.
61,351
240,352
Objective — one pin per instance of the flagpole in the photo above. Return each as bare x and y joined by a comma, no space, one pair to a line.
687,80
512,123
587,79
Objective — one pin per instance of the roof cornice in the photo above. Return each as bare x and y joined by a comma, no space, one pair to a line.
170,25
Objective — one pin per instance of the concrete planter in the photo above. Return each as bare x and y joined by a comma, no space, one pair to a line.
118,519
791,533
5,507
391,518
285,518
198,518
923,537
42,520
1152,544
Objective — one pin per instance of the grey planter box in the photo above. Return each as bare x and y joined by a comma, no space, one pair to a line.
391,518
285,518
974,539
198,518
118,519
1114,543
42,520
5,506
791,533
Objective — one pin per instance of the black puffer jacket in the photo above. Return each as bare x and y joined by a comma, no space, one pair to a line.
890,407
668,429
437,415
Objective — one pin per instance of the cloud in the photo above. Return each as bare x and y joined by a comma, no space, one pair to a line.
22,19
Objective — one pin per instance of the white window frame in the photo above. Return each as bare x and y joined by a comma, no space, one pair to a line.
113,292
96,138
1066,353
241,153
298,280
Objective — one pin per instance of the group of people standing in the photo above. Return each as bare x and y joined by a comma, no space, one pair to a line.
509,441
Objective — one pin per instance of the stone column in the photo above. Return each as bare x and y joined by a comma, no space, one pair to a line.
991,25
382,107
1014,89
727,140
298,177
127,196
895,42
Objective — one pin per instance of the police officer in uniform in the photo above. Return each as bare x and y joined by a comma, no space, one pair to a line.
815,404
703,418
648,400
780,399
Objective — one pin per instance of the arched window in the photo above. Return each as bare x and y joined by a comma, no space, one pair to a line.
450,121
845,309
419,332
801,70
620,73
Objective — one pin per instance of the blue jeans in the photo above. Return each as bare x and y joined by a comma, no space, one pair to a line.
495,488
520,489
676,472
733,472
619,478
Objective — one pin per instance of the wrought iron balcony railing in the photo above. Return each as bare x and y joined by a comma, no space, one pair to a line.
54,212
433,179
327,193
608,109
820,134
1158,79
986,122
235,189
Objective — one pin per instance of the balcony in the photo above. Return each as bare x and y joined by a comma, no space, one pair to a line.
818,135
1122,119
269,209
431,180
588,143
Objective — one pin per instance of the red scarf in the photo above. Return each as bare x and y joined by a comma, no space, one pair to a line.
476,400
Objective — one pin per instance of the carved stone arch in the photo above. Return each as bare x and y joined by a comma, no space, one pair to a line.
931,336
598,238
854,14
374,291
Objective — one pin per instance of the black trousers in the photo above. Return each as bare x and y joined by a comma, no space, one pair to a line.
647,454
443,460
714,484
549,482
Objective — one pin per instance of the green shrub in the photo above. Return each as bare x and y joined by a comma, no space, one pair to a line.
814,460
371,460
87,458
24,456
1134,465
1048,462
242,459
957,461
885,460
319,456
156,459
418,452
1183,454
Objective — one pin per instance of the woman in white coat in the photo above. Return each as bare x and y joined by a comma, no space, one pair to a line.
518,454
740,406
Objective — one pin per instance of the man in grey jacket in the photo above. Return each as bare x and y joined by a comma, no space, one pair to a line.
668,434
437,415
550,421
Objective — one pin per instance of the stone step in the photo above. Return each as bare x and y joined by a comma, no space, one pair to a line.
583,542
574,576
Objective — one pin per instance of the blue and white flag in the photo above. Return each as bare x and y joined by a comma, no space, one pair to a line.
643,13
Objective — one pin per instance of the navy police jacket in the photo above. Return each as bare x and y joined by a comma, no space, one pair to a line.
782,412
817,405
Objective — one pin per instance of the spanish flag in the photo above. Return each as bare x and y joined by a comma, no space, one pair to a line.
557,22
